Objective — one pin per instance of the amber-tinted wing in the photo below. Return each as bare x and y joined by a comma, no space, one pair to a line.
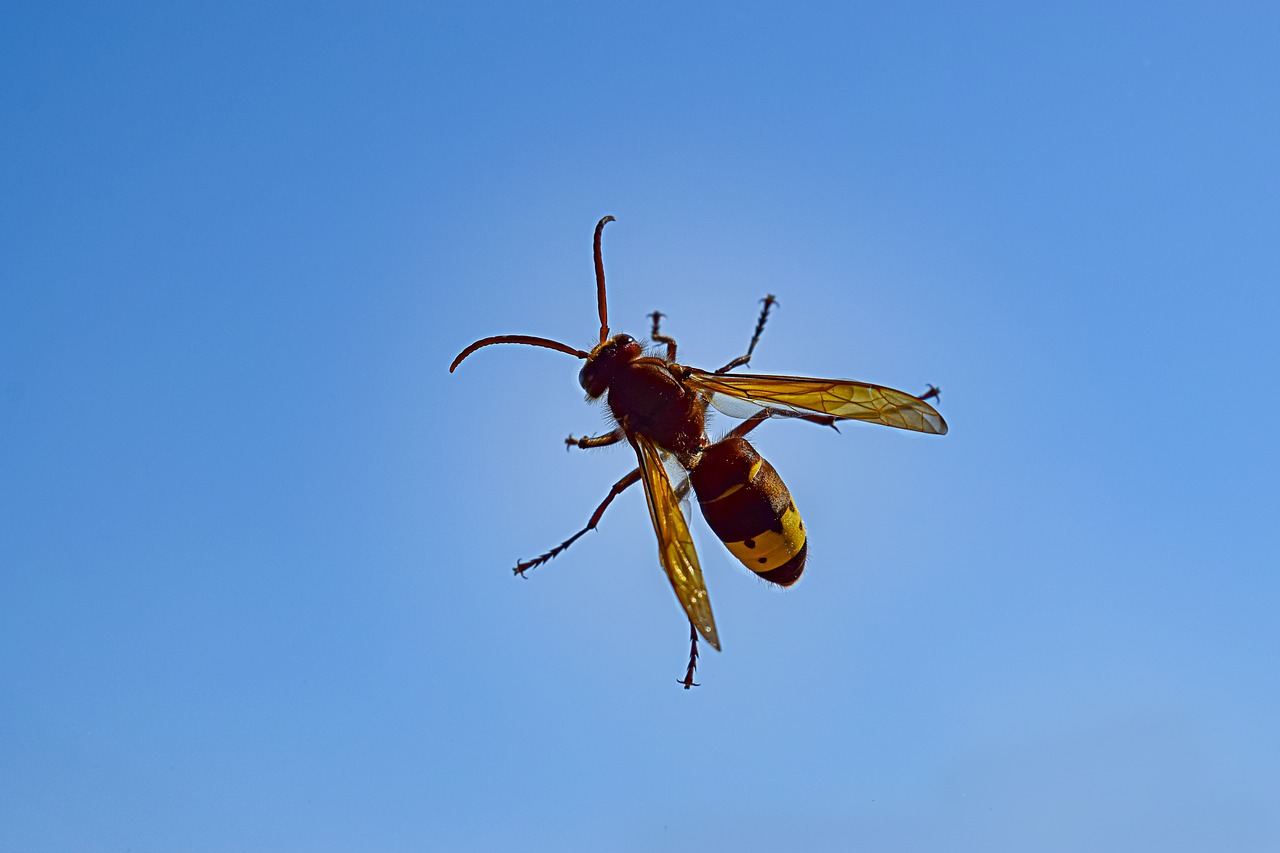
840,398
675,545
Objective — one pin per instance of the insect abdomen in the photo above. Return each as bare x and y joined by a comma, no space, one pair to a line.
749,508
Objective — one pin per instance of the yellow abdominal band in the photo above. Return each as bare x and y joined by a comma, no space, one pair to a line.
771,549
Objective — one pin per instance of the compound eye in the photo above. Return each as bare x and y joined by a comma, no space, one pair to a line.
590,380
626,347
604,362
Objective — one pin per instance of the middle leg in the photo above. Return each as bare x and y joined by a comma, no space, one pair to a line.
760,417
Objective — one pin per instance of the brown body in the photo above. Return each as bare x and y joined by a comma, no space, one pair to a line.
660,408
741,495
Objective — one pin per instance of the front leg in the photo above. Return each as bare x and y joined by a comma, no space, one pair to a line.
589,441
659,338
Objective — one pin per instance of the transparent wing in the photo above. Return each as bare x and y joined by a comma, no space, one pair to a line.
680,484
675,545
841,398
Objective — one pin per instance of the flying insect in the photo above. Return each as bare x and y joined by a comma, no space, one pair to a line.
660,409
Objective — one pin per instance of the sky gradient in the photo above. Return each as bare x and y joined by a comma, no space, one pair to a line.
256,541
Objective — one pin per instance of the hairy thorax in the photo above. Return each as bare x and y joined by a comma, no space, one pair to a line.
646,397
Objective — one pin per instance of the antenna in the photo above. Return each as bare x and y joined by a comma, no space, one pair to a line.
600,297
531,340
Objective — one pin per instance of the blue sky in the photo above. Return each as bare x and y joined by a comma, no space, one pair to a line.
255,541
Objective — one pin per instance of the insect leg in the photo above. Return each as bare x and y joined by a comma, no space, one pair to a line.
618,488
760,417
588,441
659,338
769,302
688,681
934,393
748,425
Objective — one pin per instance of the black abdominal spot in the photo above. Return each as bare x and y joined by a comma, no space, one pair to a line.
750,543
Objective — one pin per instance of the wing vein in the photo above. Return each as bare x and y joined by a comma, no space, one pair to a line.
675,543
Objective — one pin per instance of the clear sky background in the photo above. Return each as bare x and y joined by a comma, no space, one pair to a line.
256,542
